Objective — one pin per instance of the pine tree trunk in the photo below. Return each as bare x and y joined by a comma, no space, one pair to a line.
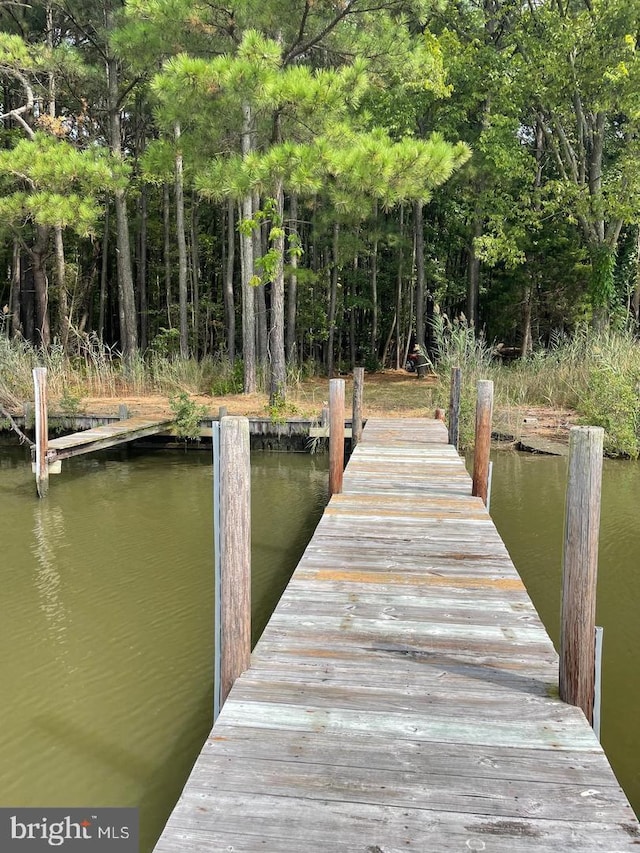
418,230
333,297
182,248
195,274
374,287
38,253
166,219
399,294
473,276
259,249
229,307
14,326
246,249
352,314
527,340
63,301
278,372
103,274
142,270
292,302
129,325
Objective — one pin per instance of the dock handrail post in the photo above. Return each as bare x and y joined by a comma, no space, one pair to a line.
336,435
454,406
580,568
484,412
235,552
42,430
356,421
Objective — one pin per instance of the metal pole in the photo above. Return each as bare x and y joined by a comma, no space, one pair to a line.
489,481
597,694
217,606
42,430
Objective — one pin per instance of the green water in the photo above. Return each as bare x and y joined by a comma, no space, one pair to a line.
106,619
527,506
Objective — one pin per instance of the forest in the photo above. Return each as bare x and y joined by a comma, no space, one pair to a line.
316,182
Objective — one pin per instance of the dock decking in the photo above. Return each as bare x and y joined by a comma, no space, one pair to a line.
109,435
404,694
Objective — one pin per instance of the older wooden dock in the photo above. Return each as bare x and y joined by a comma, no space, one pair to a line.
102,437
404,694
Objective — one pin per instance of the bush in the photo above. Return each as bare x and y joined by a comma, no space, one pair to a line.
188,415
610,400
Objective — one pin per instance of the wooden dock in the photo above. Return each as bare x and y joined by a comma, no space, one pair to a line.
102,437
404,694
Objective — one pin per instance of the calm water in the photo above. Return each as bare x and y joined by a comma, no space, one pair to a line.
106,619
527,506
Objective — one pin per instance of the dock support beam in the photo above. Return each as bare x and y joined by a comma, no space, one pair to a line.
484,412
356,421
42,430
336,435
580,568
454,406
232,495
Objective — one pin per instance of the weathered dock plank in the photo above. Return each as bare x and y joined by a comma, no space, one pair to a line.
404,694
102,437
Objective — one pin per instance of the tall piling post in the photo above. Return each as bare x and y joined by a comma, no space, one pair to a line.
484,412
42,430
580,568
356,421
234,630
336,435
454,406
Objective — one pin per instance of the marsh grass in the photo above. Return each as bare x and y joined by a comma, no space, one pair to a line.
596,374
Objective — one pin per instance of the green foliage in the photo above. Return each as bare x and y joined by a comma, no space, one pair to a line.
279,409
70,403
53,183
229,379
166,344
610,400
187,414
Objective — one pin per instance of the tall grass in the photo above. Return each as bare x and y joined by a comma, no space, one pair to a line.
594,373
95,370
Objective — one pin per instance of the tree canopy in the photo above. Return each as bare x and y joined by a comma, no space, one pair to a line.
309,181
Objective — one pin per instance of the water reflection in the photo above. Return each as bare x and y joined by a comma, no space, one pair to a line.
48,541
106,619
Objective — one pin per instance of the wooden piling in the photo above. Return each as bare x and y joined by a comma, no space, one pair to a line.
454,406
484,411
235,551
123,412
336,435
439,415
580,568
356,422
42,430
222,412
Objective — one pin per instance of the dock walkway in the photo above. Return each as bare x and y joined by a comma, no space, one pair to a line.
404,694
